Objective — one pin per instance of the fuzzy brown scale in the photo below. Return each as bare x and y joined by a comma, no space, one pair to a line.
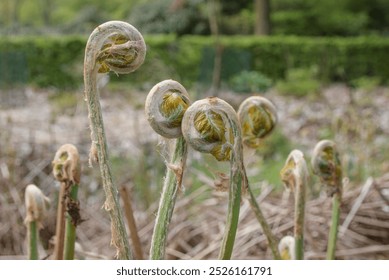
73,209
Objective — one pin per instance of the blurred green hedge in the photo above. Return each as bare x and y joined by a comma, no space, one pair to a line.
57,61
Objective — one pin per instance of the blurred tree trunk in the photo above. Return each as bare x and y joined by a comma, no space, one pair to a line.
214,17
262,17
47,6
15,13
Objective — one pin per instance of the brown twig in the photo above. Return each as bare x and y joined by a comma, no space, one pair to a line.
138,252
60,226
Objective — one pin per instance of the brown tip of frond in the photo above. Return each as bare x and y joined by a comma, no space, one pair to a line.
66,164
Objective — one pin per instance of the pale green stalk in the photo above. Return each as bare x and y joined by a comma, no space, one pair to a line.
237,182
171,186
271,239
299,221
33,240
119,47
70,234
333,234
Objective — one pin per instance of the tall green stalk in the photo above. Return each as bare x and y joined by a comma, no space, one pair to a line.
33,241
170,190
36,206
113,46
272,240
165,106
258,117
294,174
211,126
326,164
71,224
333,234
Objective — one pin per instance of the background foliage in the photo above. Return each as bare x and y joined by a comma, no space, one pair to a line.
57,61
291,17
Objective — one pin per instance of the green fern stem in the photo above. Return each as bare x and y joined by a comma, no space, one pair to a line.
33,240
119,47
271,239
70,234
333,234
171,186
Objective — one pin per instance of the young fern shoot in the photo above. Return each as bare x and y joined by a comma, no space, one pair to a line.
67,170
286,247
326,164
119,47
294,174
258,117
36,207
165,106
211,126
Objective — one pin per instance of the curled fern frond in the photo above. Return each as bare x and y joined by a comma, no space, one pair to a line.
211,126
326,164
113,46
258,117
295,176
286,247
165,106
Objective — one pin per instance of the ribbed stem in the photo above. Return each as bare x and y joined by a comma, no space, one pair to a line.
33,240
299,220
70,235
234,192
111,205
271,239
172,184
238,181
333,235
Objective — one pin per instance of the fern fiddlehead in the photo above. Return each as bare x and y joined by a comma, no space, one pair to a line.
113,46
165,107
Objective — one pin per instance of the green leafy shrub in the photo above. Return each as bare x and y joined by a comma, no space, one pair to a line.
57,61
299,82
250,82
366,83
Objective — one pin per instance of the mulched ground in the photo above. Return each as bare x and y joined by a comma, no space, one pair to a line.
32,130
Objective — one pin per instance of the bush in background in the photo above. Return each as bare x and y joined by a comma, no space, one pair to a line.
57,61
